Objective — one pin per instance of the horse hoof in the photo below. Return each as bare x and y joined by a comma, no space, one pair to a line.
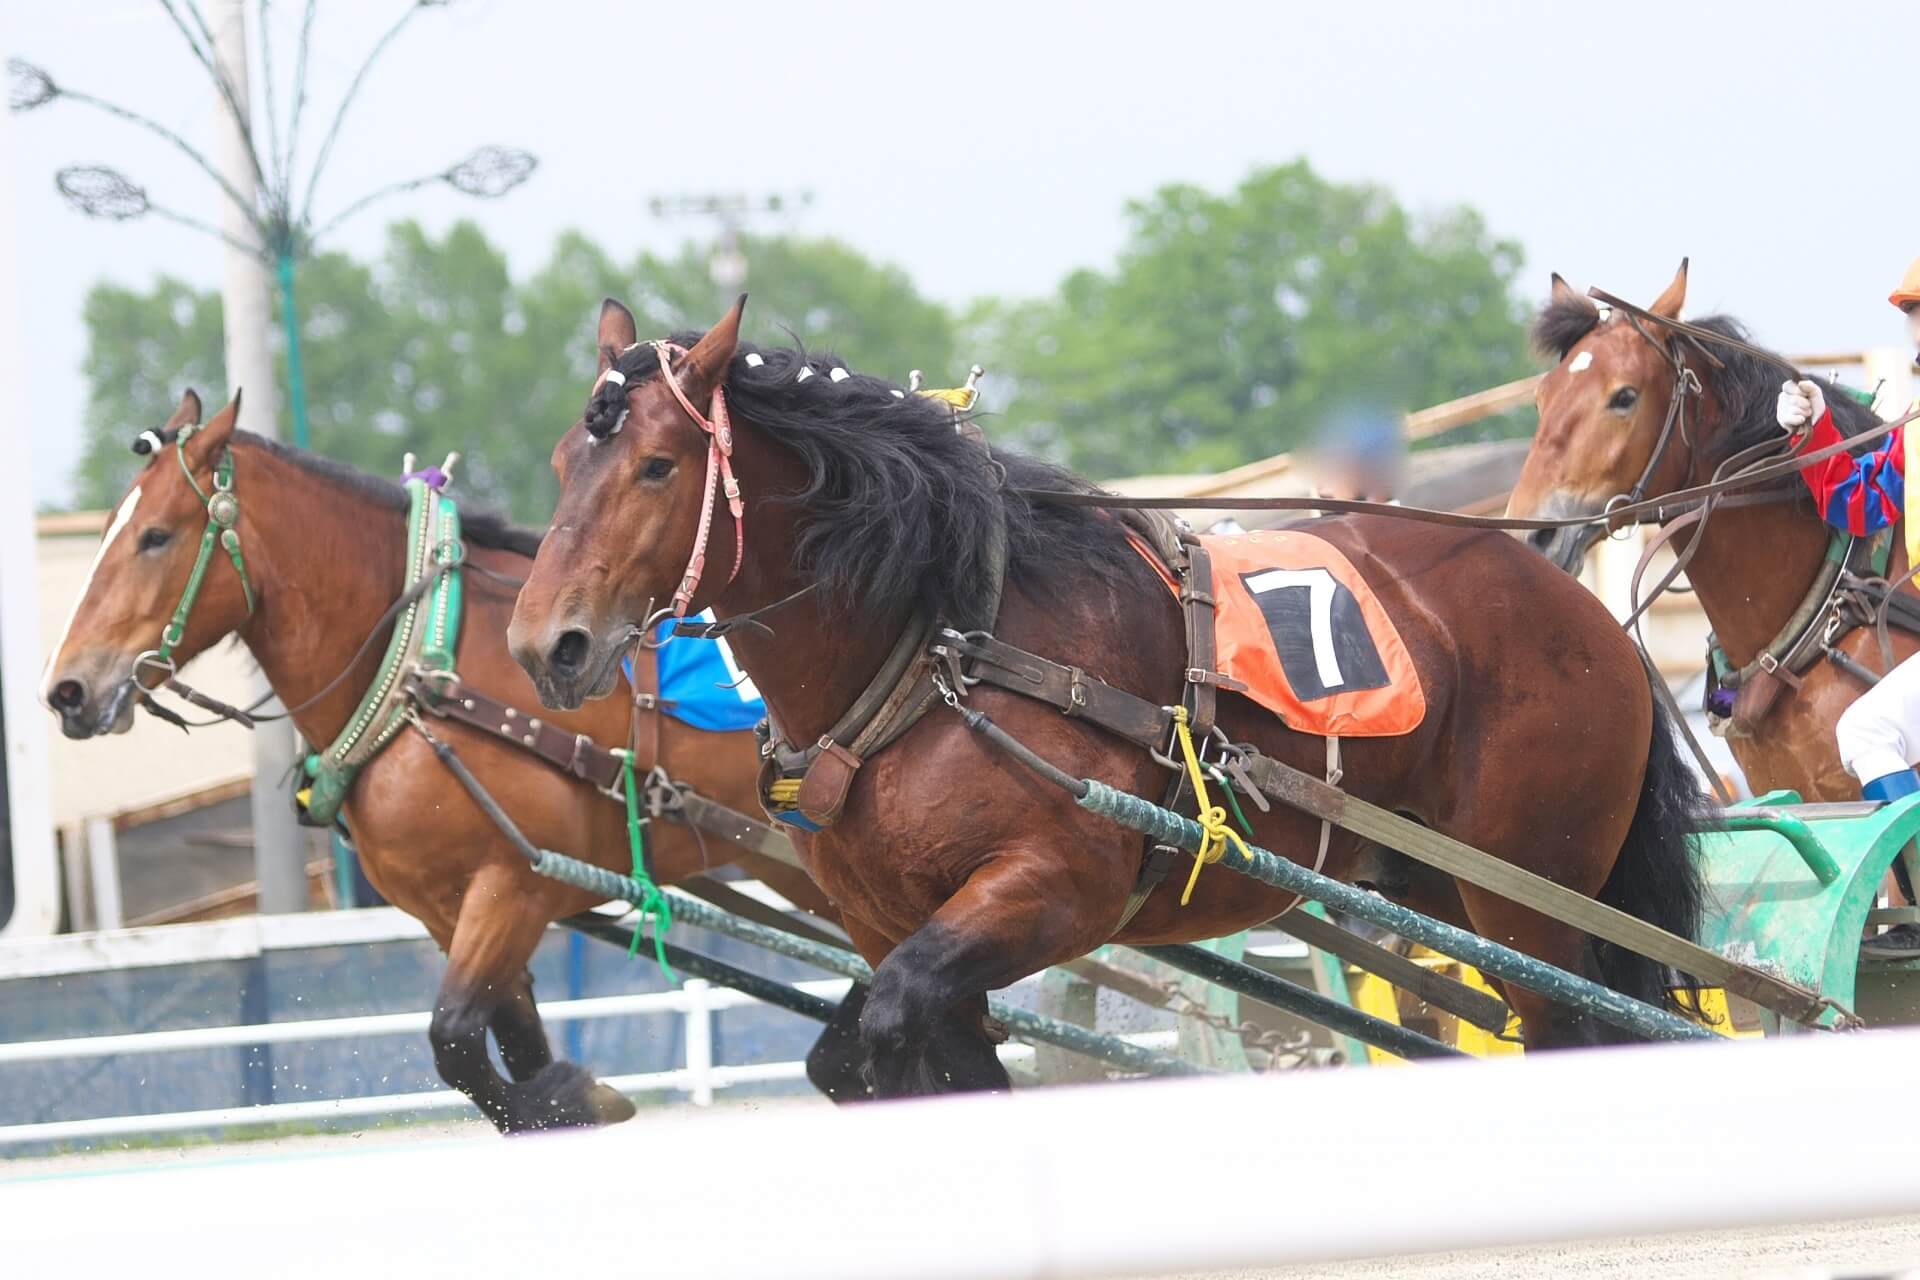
564,1095
610,1106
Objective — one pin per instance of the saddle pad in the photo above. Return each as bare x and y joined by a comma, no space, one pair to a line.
1296,622
701,684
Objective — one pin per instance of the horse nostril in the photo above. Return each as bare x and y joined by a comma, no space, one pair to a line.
570,652
1542,540
69,695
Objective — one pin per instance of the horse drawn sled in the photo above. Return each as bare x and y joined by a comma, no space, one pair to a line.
979,668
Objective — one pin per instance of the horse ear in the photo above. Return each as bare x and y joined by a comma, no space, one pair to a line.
204,446
187,415
1565,293
706,365
617,332
1668,304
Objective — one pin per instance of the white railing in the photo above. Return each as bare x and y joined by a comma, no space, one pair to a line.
696,1001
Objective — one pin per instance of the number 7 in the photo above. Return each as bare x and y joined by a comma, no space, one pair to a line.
1321,587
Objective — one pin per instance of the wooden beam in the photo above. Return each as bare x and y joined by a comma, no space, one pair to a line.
1458,999
188,802
1310,795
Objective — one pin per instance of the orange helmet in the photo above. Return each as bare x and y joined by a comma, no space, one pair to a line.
1909,291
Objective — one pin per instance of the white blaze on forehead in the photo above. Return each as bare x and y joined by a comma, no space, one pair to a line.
120,520
1580,362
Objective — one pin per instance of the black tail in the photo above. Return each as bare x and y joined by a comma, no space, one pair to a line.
1655,877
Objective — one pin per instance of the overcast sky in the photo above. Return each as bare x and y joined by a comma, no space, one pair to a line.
989,147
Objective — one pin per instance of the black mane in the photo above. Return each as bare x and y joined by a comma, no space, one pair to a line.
902,506
1748,387
481,528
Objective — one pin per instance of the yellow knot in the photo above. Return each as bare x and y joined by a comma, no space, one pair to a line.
1216,834
784,791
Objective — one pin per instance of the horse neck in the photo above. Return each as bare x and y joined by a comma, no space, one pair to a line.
818,659
327,563
1754,567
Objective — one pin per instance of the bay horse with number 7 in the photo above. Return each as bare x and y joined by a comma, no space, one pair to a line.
323,548
839,509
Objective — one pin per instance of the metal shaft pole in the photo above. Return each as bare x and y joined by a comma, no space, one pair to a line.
279,846
296,374
30,901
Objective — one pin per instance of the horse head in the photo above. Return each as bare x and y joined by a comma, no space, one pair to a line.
1605,410
637,476
127,625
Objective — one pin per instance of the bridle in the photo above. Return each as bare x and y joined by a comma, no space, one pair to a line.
223,512
718,428
1686,383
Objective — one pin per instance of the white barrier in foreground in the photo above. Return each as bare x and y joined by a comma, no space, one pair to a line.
1096,1182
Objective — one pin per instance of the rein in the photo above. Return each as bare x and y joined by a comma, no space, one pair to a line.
1646,511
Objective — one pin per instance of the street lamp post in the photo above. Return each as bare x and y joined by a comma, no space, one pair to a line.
270,221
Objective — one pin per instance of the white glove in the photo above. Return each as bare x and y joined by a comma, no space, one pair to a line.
1800,403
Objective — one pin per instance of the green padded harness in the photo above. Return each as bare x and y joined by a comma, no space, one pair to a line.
425,636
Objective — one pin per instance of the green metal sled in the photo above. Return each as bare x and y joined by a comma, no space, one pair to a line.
1790,889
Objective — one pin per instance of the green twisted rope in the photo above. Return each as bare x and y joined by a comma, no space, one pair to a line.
650,902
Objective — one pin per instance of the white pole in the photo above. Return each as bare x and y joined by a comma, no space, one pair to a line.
699,1041
279,846
103,872
27,828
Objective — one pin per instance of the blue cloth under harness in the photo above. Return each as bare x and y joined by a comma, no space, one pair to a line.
695,676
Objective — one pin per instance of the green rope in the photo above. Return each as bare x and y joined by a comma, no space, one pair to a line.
651,903
1233,801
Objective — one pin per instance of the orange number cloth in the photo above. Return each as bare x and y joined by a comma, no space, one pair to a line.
1296,623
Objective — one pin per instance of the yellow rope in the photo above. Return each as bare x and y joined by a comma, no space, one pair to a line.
784,791
961,398
1211,817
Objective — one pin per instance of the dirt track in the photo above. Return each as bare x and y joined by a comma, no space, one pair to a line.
1882,1247
1872,1248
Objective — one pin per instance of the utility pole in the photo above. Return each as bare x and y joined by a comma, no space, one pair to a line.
279,845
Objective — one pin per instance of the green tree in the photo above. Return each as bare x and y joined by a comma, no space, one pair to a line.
1234,324
436,347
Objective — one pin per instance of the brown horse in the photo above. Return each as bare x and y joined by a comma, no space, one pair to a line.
956,869
1602,409
323,549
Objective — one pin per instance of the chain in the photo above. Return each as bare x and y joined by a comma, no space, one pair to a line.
1283,1051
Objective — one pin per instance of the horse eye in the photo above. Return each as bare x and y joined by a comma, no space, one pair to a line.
1623,399
657,468
154,539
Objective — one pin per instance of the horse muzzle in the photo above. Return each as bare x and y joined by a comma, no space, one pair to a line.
92,703
568,663
1567,548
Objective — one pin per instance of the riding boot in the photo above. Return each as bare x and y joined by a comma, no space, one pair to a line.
1902,942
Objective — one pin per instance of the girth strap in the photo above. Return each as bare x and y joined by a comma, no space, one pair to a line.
1070,689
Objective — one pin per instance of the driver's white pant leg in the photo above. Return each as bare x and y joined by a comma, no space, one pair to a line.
1880,733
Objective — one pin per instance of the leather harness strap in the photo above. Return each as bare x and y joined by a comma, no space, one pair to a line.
452,698
575,754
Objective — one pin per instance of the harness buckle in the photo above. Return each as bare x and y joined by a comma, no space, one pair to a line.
1076,691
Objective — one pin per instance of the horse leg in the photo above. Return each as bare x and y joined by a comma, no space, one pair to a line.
924,1023
499,926
1544,1023
837,1063
520,1033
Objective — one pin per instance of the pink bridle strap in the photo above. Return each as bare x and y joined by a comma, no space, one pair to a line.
719,430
